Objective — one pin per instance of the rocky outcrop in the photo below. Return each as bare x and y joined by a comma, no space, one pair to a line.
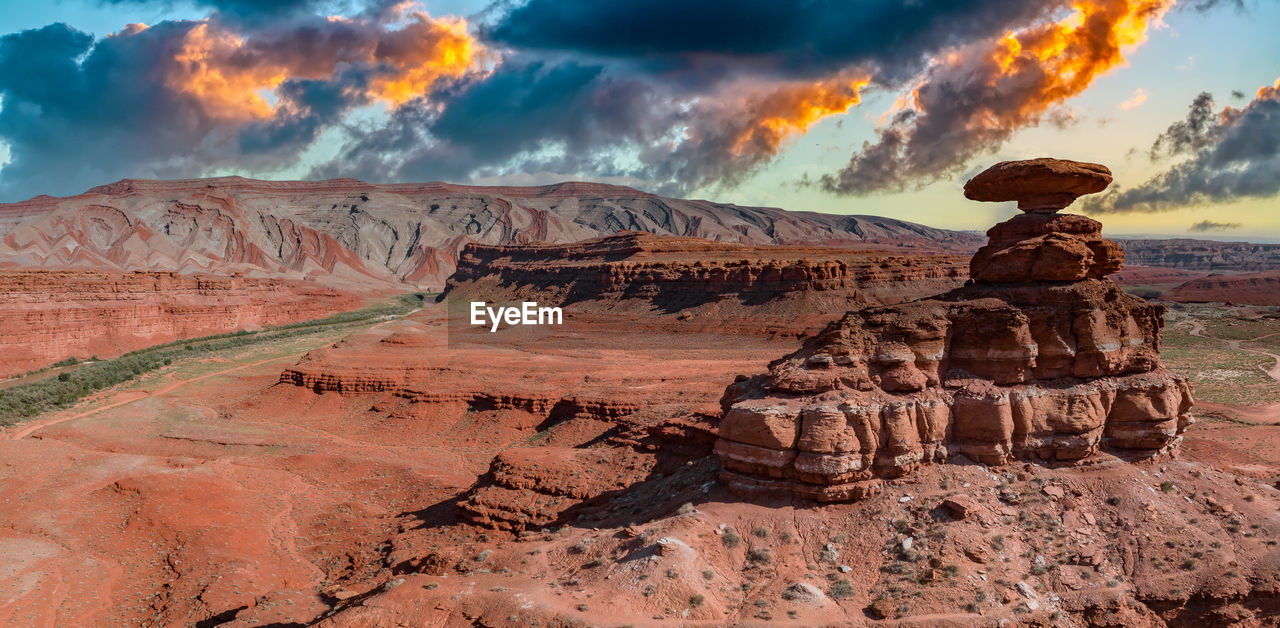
46,316
631,263
356,235
1039,357
1245,289
656,279
1205,255
533,487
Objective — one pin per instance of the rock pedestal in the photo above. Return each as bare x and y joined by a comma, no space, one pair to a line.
1040,357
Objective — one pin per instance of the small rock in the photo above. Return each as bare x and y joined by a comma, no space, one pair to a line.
960,506
819,361
1089,557
907,543
976,554
845,569
904,499
1054,491
882,608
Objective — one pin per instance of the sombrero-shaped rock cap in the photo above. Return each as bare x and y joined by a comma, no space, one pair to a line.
1042,185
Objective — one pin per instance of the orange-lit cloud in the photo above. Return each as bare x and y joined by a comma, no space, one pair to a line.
790,110
421,53
973,99
1139,96
729,135
233,77
1070,53
224,92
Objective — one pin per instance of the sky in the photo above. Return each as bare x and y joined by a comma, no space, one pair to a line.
881,107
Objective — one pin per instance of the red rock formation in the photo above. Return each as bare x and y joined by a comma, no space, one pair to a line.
46,316
1040,357
1203,255
698,282
1246,289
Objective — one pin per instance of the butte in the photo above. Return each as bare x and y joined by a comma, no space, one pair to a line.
1038,357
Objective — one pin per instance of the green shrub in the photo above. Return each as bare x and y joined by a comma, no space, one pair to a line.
759,555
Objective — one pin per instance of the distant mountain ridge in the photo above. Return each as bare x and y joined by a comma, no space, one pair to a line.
349,234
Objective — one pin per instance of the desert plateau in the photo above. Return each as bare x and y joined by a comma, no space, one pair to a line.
579,314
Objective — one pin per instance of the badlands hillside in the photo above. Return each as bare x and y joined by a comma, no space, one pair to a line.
352,235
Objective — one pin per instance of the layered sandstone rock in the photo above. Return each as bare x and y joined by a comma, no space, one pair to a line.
655,279
46,316
1040,357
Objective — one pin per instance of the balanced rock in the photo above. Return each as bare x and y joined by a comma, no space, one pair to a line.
1042,185
1046,247
1040,357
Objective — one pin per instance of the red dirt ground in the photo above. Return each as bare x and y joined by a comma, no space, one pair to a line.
242,500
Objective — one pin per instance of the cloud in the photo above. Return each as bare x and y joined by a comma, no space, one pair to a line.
1232,155
183,98
571,117
1139,96
675,95
975,97
259,11
1205,226
1193,133
794,40
685,96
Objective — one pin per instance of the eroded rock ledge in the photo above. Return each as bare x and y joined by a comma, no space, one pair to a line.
1040,357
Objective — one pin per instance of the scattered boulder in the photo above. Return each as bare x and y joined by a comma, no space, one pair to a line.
804,592
960,506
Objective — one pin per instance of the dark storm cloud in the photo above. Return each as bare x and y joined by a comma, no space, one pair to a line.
1205,226
565,118
792,39
1193,133
262,10
1237,156
499,124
